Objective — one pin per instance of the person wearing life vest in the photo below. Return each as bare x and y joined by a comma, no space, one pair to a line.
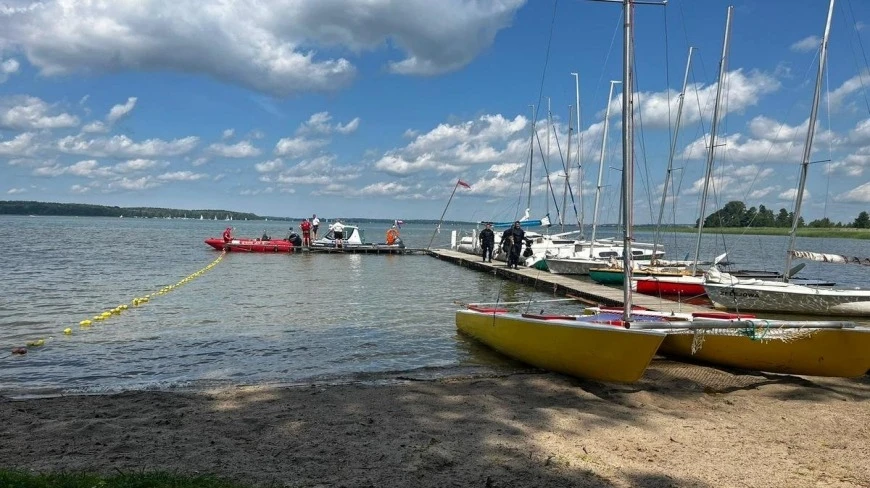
305,226
392,235
228,234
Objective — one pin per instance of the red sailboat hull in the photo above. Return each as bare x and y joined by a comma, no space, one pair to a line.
661,285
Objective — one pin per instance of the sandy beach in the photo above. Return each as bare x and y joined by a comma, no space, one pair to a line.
681,425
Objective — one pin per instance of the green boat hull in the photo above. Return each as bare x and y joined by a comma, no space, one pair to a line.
607,277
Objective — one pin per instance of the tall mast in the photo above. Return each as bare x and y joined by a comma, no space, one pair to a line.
671,155
601,161
547,159
579,153
627,159
808,146
723,66
531,156
567,166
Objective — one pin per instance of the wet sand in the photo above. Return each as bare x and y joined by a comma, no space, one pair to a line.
681,425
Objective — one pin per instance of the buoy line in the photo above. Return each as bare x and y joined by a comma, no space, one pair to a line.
136,302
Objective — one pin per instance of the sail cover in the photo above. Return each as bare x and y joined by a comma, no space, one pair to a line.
830,258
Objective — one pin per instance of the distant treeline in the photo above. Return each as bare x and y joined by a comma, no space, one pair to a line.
735,214
86,210
11,207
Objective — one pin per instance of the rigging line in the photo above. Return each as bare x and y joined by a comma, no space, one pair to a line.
546,60
565,167
547,171
645,177
863,53
617,29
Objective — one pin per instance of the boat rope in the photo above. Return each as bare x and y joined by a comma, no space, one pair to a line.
136,302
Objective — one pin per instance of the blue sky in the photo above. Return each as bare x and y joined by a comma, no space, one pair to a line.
376,108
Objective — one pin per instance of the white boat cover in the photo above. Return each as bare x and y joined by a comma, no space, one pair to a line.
830,258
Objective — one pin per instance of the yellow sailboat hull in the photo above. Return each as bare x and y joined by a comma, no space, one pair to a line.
573,347
822,352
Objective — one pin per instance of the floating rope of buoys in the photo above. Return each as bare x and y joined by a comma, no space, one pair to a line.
136,302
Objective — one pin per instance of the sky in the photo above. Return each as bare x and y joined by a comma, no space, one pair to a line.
377,108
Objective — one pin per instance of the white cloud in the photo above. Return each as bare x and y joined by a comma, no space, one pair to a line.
95,127
133,184
228,134
789,195
121,146
319,123
118,112
21,145
807,44
8,67
28,113
269,166
242,149
349,127
297,147
273,47
182,176
489,139
742,91
15,191
859,194
135,165
79,189
838,96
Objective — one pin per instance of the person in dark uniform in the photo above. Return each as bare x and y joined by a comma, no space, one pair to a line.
487,242
512,244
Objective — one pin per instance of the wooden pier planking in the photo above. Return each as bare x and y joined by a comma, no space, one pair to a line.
592,293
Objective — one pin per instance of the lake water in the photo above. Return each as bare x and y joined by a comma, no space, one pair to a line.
261,318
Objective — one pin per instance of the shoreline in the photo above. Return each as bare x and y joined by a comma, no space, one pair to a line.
681,425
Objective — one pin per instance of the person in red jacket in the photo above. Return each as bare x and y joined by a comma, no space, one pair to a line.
228,234
306,232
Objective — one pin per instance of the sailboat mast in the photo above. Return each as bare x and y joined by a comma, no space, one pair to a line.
531,156
601,161
567,166
808,146
579,155
627,159
669,173
723,66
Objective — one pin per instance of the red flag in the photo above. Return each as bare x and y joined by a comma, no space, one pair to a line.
462,183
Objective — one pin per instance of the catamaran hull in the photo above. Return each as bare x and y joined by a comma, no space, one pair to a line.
790,299
826,352
573,347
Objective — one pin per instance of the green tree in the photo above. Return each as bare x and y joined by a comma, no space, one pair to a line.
783,218
765,217
862,221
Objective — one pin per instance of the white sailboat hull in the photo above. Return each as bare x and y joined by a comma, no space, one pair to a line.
775,296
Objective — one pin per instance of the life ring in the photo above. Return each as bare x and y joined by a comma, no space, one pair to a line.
392,235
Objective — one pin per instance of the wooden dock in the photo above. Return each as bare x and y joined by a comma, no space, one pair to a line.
590,293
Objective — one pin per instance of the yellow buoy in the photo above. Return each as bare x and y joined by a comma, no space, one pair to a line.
85,323
68,331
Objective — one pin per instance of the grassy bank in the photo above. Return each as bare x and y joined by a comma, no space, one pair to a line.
844,233
20,479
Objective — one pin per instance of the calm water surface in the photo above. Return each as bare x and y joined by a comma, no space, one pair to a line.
260,318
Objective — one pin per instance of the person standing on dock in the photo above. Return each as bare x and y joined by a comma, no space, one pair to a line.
487,242
306,232
315,224
514,238
337,229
